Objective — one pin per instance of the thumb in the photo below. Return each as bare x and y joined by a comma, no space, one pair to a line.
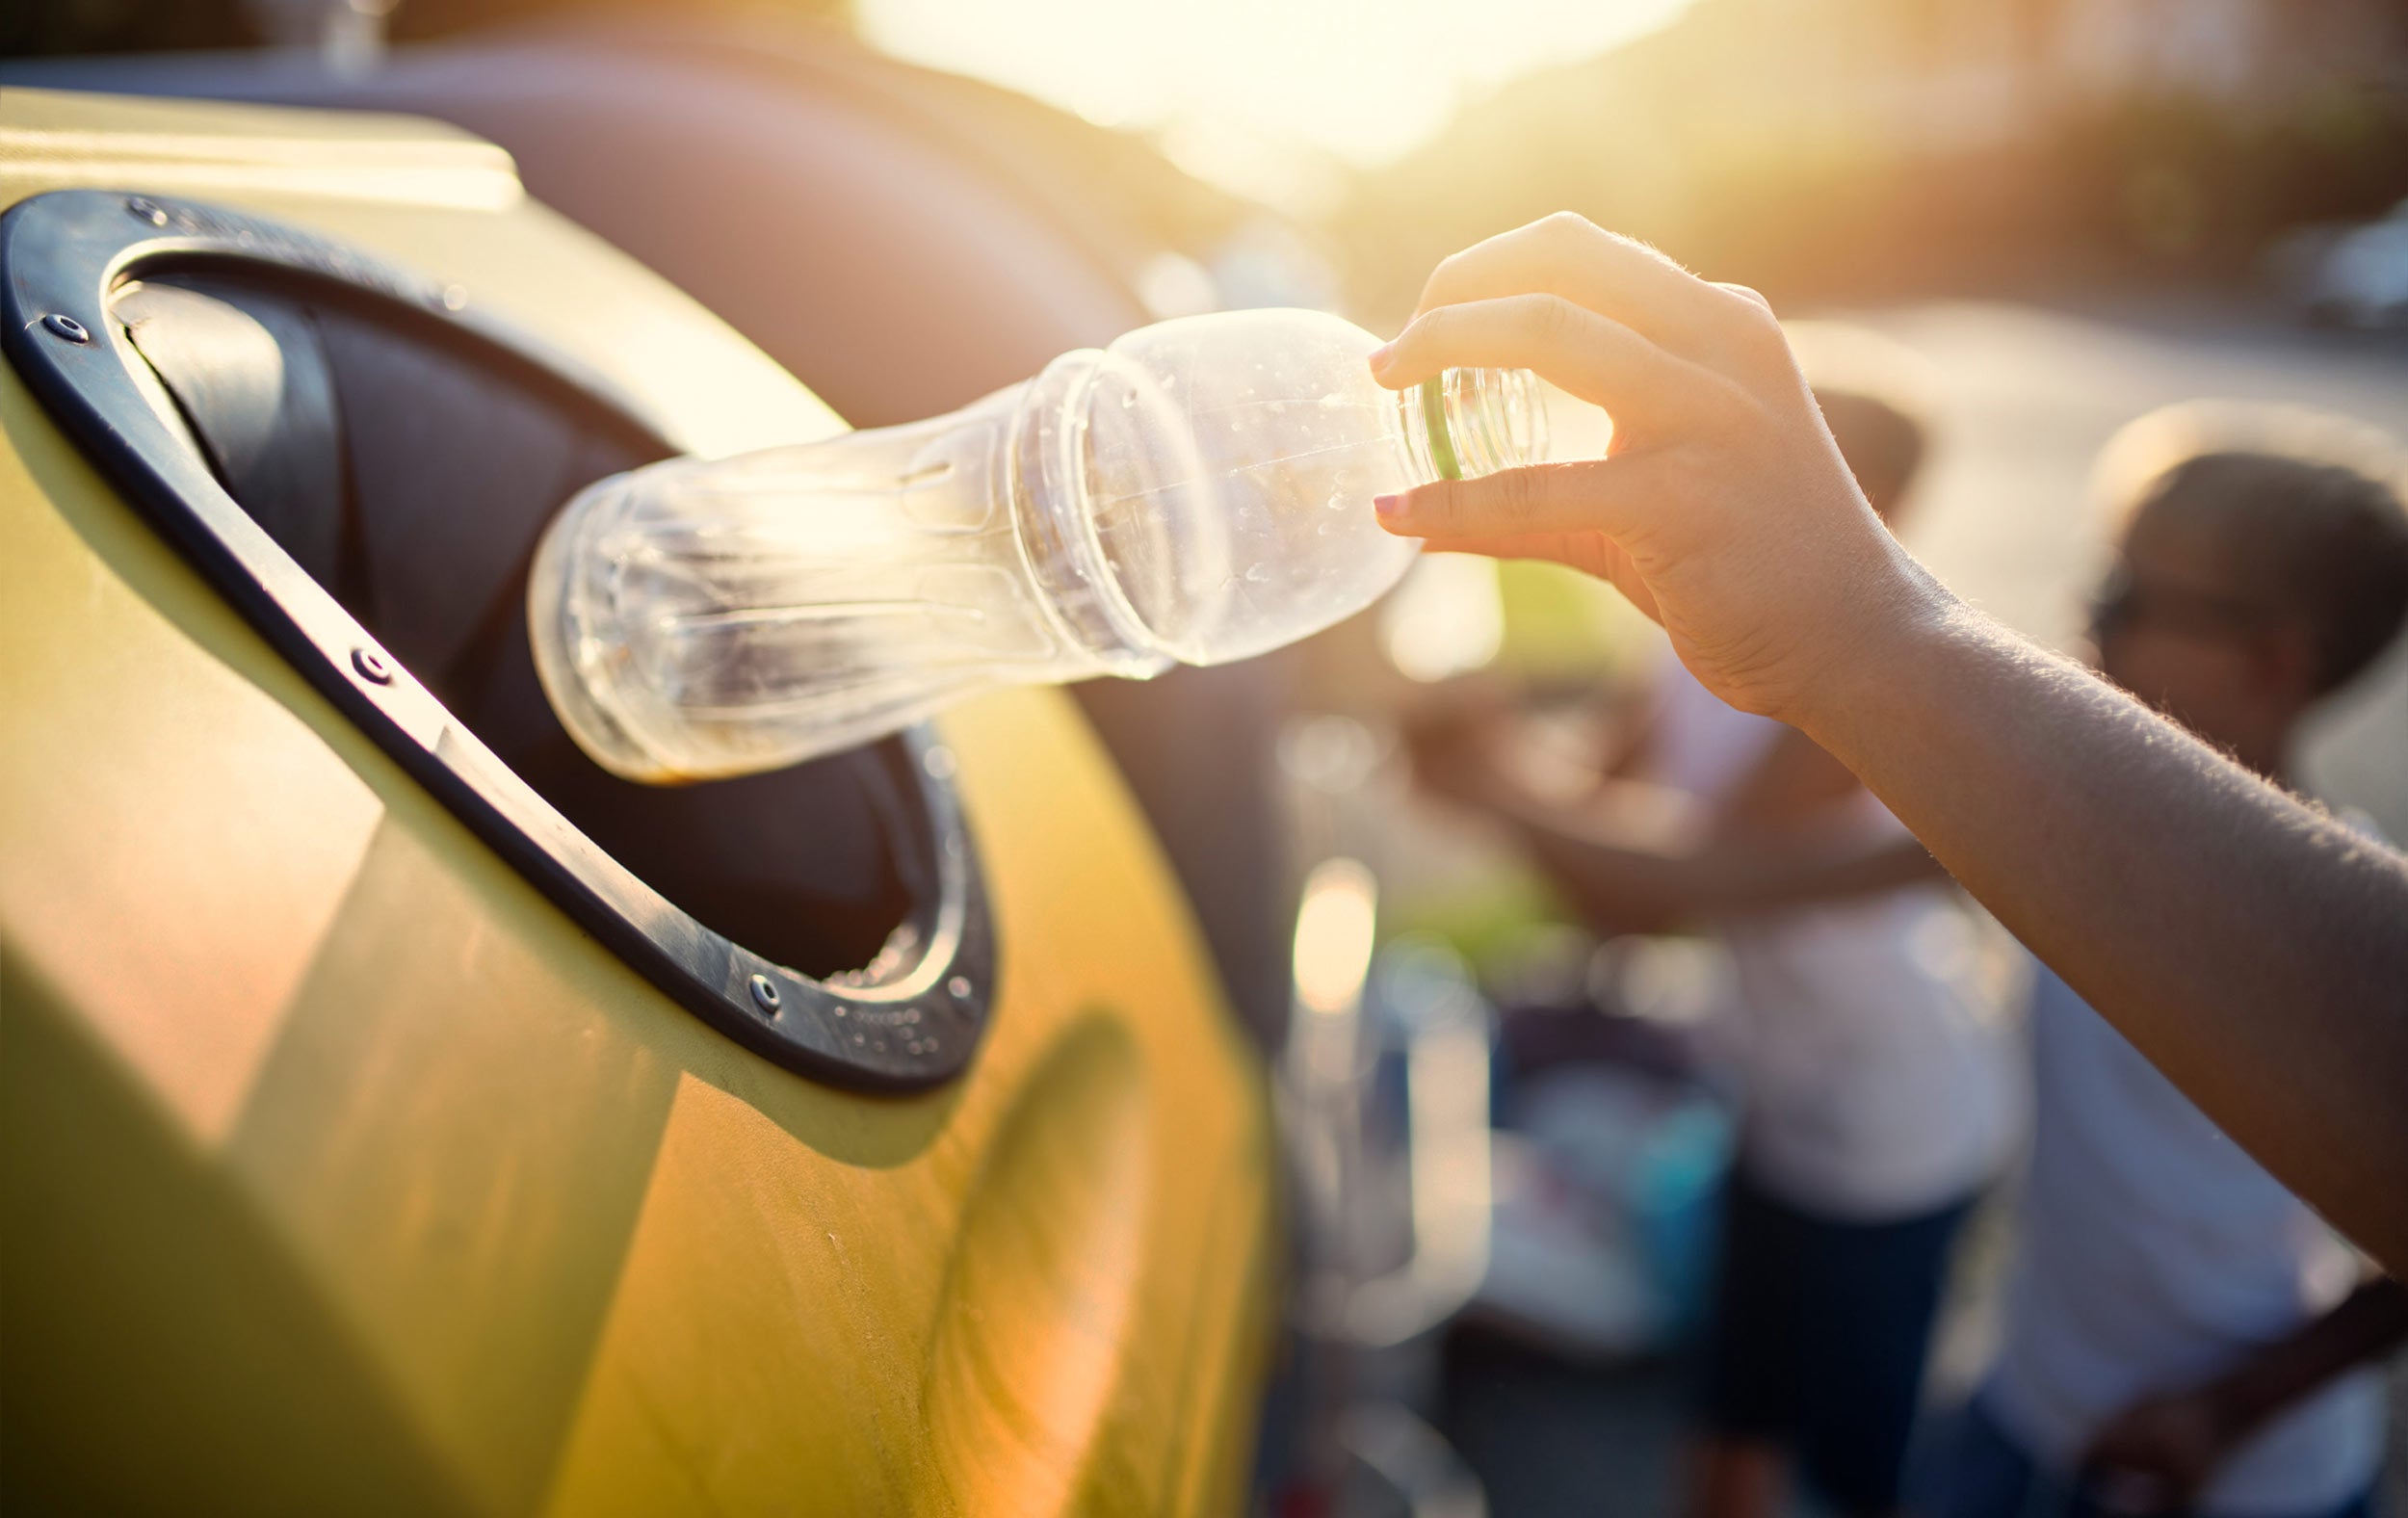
1587,495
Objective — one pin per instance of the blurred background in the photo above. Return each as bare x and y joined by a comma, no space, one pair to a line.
2055,216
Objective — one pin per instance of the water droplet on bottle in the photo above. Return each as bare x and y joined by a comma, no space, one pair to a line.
1257,574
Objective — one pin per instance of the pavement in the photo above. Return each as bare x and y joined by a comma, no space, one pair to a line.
2025,395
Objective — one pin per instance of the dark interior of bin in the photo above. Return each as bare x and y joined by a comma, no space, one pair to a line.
410,468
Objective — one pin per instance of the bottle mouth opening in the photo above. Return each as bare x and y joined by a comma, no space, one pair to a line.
564,655
1055,508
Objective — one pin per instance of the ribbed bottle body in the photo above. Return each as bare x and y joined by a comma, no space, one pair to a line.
1199,492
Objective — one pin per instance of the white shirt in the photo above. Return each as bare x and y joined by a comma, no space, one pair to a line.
2154,1254
1879,1081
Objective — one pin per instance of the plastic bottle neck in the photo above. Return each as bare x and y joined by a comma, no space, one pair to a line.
1461,424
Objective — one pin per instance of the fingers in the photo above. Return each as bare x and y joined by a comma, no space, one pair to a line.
1596,495
1556,547
1571,256
1593,356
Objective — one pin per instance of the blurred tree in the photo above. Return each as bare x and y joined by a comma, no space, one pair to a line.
1859,148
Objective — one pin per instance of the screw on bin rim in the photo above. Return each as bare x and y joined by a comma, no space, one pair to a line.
765,994
61,251
144,209
62,324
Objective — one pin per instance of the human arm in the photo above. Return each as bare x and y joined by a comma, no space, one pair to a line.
2162,1452
2254,949
1627,860
1639,889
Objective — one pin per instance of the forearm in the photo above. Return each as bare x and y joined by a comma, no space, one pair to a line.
1613,884
2370,1323
1730,880
2255,950
1624,884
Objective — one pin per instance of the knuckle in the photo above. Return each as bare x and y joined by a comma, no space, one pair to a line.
1517,498
1566,226
1554,239
1748,335
1422,330
1548,317
1748,295
1752,320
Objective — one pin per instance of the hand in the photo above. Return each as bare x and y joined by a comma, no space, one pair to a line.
1723,509
2157,1456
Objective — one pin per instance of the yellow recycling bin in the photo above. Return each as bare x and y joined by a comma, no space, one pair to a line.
396,1114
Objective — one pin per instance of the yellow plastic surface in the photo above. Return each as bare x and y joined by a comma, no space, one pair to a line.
341,1173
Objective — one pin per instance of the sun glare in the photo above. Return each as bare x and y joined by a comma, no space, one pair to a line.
1269,97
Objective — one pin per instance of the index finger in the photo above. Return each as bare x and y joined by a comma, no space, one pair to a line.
1591,356
1569,255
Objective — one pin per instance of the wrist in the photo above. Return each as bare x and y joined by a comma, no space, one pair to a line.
1894,626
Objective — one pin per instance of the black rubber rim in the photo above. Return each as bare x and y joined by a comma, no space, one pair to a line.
62,255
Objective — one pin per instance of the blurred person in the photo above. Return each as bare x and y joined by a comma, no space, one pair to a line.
1877,1095
2250,946
2183,1334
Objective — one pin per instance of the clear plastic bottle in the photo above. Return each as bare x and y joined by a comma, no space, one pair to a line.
1198,492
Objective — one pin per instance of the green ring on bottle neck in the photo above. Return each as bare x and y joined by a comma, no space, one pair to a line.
1434,417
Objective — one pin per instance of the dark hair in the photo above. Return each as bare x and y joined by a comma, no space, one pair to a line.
1883,444
2329,543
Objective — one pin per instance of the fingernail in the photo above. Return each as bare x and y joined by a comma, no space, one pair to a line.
1388,507
1382,354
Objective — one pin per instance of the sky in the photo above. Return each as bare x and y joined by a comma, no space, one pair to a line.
1274,98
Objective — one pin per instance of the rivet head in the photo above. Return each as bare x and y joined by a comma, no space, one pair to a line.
765,994
144,209
62,324
960,986
373,666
